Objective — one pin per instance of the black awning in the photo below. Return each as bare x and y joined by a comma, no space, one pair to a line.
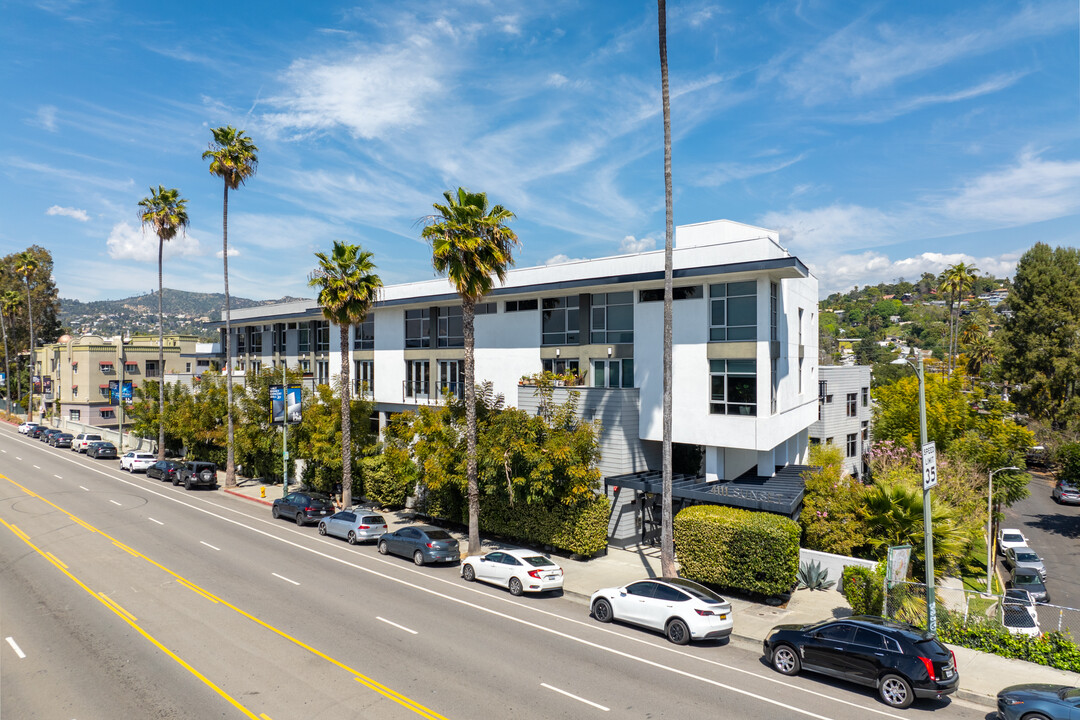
782,493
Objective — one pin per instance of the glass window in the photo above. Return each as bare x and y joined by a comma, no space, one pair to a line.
451,327
365,378
256,341
417,378
865,430
852,445
865,396
559,321
669,594
539,561
733,312
451,374
303,339
322,336
562,366
488,308
836,633
774,293
641,589
612,318
733,387
521,305
364,334
691,292
870,638
418,328
852,404
613,373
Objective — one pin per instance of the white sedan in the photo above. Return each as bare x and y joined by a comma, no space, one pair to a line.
27,427
519,571
137,461
1010,538
681,609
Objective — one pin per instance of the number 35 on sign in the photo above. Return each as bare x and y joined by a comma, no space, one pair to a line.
929,465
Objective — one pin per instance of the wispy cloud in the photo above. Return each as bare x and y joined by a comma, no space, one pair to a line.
76,178
992,85
1029,191
838,273
562,258
45,118
722,173
70,212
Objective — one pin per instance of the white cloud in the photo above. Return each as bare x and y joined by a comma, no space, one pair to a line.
721,173
136,244
46,117
75,213
557,80
839,273
834,226
561,258
630,244
917,103
508,24
233,252
1032,190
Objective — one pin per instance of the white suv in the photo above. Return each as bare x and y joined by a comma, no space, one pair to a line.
137,461
82,440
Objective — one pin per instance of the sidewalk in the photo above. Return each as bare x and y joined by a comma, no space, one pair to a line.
982,675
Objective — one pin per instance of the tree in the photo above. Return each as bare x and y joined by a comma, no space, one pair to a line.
166,214
956,281
471,245
1040,353
348,288
9,302
26,266
233,158
894,516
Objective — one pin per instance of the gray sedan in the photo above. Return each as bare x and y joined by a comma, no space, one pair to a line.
354,526
423,543
1025,557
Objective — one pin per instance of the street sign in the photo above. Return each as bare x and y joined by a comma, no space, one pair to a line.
896,567
929,465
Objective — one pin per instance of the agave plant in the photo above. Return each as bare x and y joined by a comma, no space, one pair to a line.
812,577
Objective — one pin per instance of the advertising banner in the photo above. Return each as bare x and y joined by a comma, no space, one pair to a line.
114,386
293,404
277,404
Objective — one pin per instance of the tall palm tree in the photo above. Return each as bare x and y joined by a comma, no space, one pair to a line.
348,288
233,158
9,302
26,264
166,214
956,280
471,244
667,538
894,516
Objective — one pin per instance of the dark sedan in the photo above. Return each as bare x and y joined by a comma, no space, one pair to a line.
303,507
424,544
37,431
1029,579
101,449
164,470
901,661
1048,702
46,436
61,440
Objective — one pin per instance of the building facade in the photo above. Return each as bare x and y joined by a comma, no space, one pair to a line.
845,413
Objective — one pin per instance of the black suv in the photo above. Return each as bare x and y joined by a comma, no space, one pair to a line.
196,473
901,661
303,507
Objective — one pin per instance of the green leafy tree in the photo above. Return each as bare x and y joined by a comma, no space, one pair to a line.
166,214
234,158
9,302
1068,458
471,245
319,440
830,518
348,288
896,413
26,266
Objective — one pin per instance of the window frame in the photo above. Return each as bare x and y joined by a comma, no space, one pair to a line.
564,312
726,402
721,297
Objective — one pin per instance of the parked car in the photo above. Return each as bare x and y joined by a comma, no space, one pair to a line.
1048,702
61,440
164,470
1028,579
195,473
36,431
47,434
101,449
1037,456
1010,537
1025,557
354,525
1017,620
26,427
84,440
519,571
1020,598
137,461
424,544
1065,493
901,661
303,507
681,609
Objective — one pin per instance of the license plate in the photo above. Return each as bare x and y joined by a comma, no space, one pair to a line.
947,674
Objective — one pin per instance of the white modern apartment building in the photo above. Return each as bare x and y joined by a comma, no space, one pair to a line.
844,413
744,352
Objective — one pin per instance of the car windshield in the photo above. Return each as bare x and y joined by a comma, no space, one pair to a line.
538,561
698,591
1012,537
373,520
1069,693
1027,557
438,535
1017,617
1017,597
1026,579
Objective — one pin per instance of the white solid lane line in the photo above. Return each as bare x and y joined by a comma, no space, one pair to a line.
18,458
399,627
579,699
58,477
15,646
85,488
116,503
153,520
37,467
285,578
210,546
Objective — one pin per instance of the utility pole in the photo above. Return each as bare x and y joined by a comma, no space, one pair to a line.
929,468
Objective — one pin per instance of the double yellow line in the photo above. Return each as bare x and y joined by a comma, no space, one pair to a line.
131,620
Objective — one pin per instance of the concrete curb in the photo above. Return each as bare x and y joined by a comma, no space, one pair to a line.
247,497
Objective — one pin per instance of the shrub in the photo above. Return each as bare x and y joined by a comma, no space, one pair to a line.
751,551
383,486
1053,649
862,587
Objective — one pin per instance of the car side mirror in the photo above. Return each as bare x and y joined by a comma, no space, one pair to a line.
483,559
622,591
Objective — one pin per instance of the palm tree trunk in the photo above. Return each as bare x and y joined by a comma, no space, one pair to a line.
346,421
30,316
7,371
468,314
161,354
230,452
667,541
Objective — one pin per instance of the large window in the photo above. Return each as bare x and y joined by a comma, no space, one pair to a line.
733,387
691,292
256,341
365,378
562,366
418,328
364,334
733,312
560,321
240,334
852,445
322,372
451,327
279,338
488,308
865,396
451,374
322,336
417,378
852,404
613,373
303,338
774,301
612,318
520,305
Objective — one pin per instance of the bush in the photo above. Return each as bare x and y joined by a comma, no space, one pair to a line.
1053,649
384,487
862,587
1068,458
751,551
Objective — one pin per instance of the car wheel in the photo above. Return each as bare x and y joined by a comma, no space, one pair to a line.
206,476
275,512
187,484
352,538
467,573
785,660
322,528
175,480
298,519
418,557
515,587
1036,716
895,691
384,549
601,610
677,632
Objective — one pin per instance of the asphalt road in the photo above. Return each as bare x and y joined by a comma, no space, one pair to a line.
126,597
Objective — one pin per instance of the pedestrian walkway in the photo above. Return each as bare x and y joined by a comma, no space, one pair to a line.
982,675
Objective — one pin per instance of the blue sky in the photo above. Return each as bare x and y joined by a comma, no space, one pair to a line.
881,139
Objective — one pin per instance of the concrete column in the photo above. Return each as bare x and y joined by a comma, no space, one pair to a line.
780,453
714,464
766,465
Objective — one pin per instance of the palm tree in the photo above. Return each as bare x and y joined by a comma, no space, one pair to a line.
956,280
9,302
471,245
166,214
233,158
348,288
893,515
26,264
980,354
667,538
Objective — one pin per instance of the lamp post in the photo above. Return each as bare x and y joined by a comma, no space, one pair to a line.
990,526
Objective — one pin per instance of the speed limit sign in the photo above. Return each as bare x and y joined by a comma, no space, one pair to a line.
929,465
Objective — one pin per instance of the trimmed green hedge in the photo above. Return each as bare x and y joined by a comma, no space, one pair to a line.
755,552
1053,649
381,485
863,589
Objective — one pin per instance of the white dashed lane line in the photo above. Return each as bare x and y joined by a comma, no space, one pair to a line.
285,578
399,627
116,503
15,646
153,520
58,477
209,545
37,467
85,488
575,697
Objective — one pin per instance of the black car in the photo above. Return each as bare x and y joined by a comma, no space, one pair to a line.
37,432
165,470
194,473
901,661
44,437
1024,578
422,543
303,507
61,440
101,449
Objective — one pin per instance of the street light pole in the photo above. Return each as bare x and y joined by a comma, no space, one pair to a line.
928,535
990,526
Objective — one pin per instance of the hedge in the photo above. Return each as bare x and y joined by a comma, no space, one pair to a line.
755,552
381,485
863,589
1053,649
